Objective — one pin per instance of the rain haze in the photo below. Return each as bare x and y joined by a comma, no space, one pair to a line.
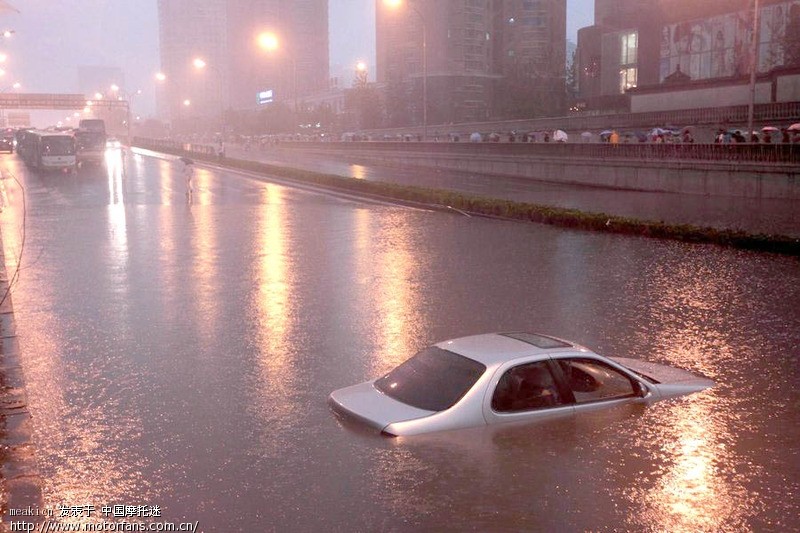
54,37
247,286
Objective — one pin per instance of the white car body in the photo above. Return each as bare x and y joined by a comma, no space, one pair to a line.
506,357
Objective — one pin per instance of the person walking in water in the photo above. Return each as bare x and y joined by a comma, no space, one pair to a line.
188,173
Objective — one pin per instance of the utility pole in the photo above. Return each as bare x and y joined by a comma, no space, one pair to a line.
753,70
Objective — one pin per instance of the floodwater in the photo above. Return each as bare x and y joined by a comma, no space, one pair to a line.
180,355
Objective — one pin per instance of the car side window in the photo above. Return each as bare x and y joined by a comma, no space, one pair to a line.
526,387
592,380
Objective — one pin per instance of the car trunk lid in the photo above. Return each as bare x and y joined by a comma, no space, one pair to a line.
366,403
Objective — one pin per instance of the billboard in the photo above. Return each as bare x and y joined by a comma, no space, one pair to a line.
265,97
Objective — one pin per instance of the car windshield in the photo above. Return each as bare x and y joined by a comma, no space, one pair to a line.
433,380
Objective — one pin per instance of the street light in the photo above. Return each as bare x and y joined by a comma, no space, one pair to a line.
201,64
160,76
753,69
361,74
395,4
270,42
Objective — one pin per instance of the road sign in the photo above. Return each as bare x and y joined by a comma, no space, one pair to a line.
54,101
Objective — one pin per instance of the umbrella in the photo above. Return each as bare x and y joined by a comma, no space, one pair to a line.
186,160
606,132
794,127
658,131
560,136
769,128
586,134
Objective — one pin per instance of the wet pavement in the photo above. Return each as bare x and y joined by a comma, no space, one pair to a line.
180,354
770,216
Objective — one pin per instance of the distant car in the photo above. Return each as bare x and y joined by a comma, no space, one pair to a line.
7,144
113,142
504,377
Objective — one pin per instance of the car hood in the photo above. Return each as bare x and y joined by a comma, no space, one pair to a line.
671,381
368,404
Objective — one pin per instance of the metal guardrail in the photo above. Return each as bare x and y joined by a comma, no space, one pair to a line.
784,154
764,114
780,154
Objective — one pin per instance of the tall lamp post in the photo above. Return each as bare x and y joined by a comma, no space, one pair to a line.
396,4
128,98
270,42
201,64
753,70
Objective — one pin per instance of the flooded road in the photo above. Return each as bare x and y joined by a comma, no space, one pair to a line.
180,355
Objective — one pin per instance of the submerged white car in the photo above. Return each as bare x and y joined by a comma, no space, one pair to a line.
504,377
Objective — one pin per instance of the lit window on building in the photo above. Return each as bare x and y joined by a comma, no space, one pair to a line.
628,72
627,78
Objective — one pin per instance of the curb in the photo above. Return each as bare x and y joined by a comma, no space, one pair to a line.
20,481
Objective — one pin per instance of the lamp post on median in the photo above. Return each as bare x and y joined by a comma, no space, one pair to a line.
753,70
394,4
270,42
128,99
201,64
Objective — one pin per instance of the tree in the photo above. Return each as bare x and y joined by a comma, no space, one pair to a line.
364,107
572,77
398,110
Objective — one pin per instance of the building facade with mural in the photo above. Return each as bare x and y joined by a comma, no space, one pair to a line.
638,48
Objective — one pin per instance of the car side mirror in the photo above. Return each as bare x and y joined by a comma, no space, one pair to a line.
640,389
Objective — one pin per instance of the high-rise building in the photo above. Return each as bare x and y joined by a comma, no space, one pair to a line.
224,33
296,68
530,54
476,50
191,29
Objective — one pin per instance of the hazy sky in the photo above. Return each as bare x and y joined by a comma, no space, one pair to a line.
53,37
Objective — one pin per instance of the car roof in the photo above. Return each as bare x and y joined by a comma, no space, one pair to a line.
495,348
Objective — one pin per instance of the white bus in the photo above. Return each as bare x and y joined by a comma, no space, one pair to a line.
49,150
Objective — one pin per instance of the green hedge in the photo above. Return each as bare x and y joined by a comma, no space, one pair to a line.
508,209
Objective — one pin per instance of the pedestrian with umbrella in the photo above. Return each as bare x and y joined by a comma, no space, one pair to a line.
188,173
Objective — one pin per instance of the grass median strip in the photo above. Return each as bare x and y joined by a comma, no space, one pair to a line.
508,209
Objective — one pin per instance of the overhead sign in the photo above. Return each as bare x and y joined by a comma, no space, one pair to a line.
266,97
53,101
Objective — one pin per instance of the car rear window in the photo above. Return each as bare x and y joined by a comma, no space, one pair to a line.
433,380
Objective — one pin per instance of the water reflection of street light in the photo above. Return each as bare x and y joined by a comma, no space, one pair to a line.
270,42
395,4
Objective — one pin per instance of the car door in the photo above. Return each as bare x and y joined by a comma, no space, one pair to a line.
526,391
595,384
